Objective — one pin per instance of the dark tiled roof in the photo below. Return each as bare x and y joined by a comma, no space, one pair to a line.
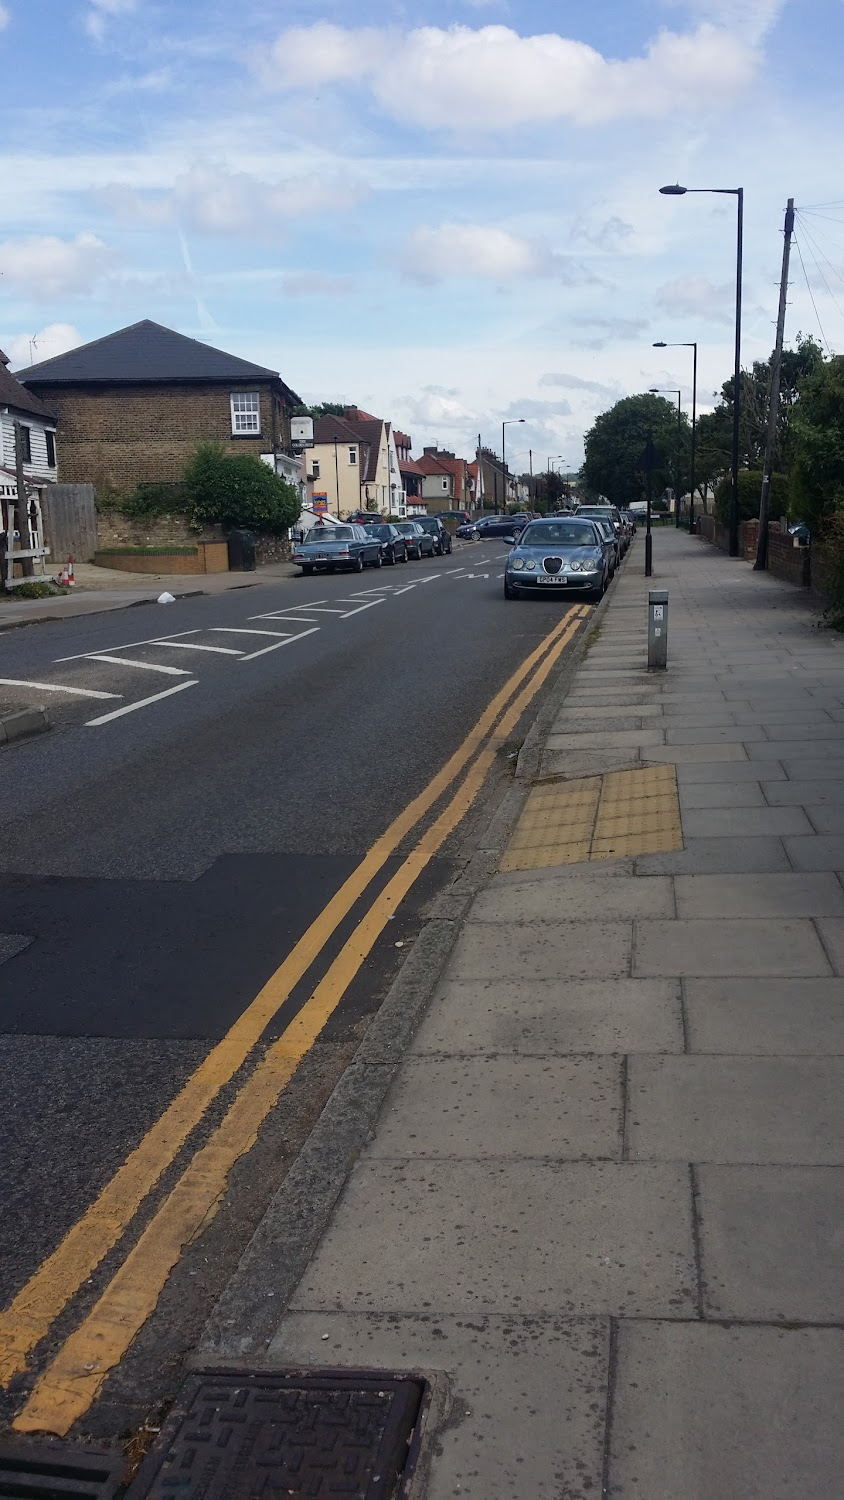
15,395
145,352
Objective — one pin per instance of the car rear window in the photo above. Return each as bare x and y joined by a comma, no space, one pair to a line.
331,534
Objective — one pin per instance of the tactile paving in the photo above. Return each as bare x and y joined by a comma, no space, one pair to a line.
597,817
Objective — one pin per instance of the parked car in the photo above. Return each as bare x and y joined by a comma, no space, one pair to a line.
393,544
613,515
458,517
434,526
565,554
490,526
327,548
630,518
420,543
366,518
613,544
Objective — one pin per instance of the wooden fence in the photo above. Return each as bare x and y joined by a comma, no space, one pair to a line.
70,521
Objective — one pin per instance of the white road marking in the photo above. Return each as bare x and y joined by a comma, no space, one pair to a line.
477,575
405,589
277,647
384,588
145,666
430,578
53,687
195,646
129,645
499,575
287,619
370,604
132,708
241,630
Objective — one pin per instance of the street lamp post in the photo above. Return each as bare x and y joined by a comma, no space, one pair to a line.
661,345
674,190
552,457
512,422
656,390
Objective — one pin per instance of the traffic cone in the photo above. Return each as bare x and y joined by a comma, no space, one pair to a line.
62,578
70,580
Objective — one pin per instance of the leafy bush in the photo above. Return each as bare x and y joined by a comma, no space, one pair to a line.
237,490
34,590
749,494
151,500
832,546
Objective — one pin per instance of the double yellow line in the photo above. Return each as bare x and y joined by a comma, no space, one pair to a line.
71,1382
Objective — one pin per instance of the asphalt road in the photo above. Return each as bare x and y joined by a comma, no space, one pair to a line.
158,860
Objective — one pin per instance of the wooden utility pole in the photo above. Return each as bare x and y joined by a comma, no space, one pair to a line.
761,562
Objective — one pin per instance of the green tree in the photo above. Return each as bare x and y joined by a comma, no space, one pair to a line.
749,492
615,449
322,409
238,490
817,433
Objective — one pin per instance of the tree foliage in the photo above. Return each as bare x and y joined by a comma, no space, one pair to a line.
322,409
818,439
615,449
749,494
237,490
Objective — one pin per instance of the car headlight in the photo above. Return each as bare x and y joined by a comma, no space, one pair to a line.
530,564
575,565
518,564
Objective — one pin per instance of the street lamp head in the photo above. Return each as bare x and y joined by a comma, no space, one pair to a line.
653,390
673,190
661,344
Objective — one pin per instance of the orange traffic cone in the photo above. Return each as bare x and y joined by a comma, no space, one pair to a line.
70,580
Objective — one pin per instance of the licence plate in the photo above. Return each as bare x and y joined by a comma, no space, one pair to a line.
555,579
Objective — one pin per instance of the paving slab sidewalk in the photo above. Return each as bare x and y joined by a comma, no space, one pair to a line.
602,1204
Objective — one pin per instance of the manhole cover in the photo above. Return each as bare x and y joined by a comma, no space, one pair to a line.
58,1471
239,1435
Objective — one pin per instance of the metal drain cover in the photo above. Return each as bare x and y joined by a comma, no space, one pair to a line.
58,1471
241,1435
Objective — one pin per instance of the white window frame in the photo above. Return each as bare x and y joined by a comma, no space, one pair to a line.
315,468
445,485
245,413
353,456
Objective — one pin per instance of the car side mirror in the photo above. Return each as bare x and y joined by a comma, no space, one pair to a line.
509,539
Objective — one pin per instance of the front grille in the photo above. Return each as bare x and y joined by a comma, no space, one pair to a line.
552,564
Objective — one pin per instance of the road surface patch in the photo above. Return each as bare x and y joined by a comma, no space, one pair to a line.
597,817
132,708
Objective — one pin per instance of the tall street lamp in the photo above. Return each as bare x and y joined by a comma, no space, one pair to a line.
661,345
512,422
657,390
676,191
552,458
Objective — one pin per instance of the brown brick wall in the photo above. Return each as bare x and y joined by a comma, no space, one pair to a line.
116,530
121,437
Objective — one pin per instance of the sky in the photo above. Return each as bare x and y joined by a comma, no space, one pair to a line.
445,213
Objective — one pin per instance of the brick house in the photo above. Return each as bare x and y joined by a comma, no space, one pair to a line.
132,407
446,481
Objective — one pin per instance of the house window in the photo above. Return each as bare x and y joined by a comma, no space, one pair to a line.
445,485
26,444
353,455
315,468
246,413
50,438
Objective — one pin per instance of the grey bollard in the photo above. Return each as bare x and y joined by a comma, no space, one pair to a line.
657,630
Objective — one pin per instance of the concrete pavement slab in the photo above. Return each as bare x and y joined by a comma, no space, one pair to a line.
715,734
693,775
704,1412
721,794
807,768
554,1016
831,930
594,711
677,716
518,951
601,739
751,946
798,750
525,1401
791,1017
575,763
788,728
579,896
711,856
771,1243
817,852
745,822
504,1236
489,1107
759,896
681,755
825,819
785,1110
812,794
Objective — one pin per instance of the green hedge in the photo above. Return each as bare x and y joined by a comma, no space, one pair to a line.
750,492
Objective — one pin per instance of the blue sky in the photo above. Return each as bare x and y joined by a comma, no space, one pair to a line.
447,213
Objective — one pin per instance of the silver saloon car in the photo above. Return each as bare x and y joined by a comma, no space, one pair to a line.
327,548
565,555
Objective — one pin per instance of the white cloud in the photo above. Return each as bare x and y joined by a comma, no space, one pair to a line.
694,296
608,330
211,200
47,343
102,11
493,79
5,18
752,18
610,234
44,266
481,250
577,383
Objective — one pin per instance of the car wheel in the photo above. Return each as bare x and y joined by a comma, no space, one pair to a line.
437,550
330,568
307,570
391,557
378,561
357,565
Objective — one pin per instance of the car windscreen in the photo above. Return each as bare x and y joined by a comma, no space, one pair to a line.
429,525
408,528
383,532
330,534
598,513
558,534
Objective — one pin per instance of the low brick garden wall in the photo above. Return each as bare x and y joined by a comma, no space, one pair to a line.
794,564
203,551
205,557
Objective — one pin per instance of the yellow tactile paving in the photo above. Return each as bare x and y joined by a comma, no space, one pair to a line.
597,817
